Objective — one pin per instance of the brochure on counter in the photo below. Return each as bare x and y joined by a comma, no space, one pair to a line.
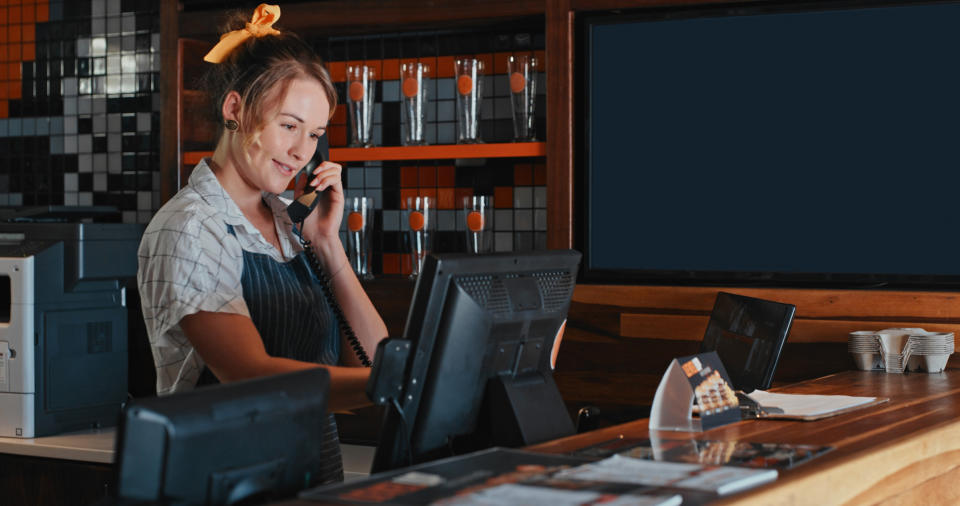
507,476
707,452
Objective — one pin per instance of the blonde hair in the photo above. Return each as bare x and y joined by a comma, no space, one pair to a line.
261,70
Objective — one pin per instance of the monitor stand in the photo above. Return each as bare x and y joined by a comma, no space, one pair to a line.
525,410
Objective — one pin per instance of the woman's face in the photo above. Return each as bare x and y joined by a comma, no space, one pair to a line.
289,136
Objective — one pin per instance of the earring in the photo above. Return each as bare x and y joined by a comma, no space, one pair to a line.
231,124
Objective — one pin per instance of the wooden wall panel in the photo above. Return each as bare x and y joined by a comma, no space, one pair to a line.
620,339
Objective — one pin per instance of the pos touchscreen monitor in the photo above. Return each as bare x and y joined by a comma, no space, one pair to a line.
249,440
475,366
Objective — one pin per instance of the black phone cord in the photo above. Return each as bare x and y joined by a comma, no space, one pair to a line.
334,305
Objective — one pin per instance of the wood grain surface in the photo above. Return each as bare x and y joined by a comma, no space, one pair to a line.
906,451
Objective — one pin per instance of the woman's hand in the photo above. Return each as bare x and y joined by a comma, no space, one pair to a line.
324,222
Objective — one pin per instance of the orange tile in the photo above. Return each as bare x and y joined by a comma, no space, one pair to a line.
13,14
4,109
409,177
503,197
460,193
337,135
431,63
29,51
406,267
406,193
444,66
3,90
500,63
445,199
13,32
429,192
13,69
446,175
487,59
391,263
338,71
43,13
3,58
428,175
3,33
27,32
3,15
339,115
539,174
15,89
28,13
523,174
391,69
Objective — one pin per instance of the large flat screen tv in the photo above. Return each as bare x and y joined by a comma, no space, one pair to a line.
777,143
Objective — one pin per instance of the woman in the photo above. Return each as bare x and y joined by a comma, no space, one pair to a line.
226,287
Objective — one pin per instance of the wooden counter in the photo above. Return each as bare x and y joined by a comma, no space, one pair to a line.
906,451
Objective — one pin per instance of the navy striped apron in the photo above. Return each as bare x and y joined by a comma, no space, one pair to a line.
288,307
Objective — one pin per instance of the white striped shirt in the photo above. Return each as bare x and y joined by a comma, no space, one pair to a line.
188,262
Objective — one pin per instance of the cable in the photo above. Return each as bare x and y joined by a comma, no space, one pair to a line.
334,305
403,427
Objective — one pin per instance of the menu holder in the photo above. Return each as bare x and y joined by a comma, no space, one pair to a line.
701,377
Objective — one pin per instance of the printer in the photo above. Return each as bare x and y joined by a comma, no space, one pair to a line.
63,324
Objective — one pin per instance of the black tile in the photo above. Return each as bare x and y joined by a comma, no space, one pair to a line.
84,125
83,67
128,123
99,143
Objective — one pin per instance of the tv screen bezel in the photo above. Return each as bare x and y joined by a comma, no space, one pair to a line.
668,11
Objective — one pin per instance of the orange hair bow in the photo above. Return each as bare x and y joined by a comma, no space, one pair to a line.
261,24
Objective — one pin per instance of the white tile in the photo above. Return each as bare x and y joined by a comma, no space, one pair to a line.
391,220
70,144
113,7
69,106
446,220
129,216
128,22
540,196
70,182
114,123
114,142
69,86
100,123
523,219
113,24
98,46
100,163
98,8
143,121
540,219
85,198
84,105
43,126
70,199
85,143
113,64
502,241
83,47
144,216
523,197
100,105
15,199
85,162
144,201
100,182
503,219
128,42
98,26
115,163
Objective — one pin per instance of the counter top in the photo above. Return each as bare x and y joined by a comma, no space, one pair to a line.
96,446
93,445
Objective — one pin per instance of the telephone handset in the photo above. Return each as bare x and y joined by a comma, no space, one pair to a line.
298,210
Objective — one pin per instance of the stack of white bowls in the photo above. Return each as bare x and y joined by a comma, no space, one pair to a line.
901,349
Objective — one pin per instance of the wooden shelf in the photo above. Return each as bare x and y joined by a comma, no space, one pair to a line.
437,152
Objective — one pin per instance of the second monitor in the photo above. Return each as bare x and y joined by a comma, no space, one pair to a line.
475,366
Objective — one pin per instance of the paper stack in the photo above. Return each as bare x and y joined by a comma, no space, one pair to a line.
901,349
